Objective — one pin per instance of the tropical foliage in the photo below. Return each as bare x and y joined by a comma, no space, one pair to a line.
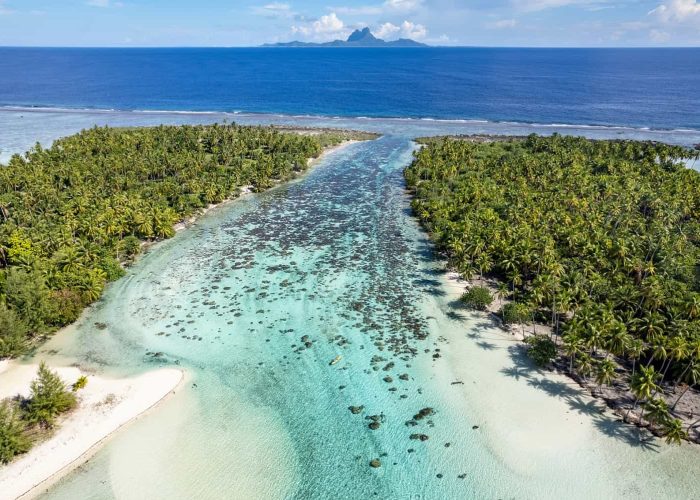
22,420
13,439
71,215
600,239
541,349
478,297
49,398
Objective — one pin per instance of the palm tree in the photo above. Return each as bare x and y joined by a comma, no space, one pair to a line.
643,385
692,376
677,350
656,411
635,349
605,373
584,365
501,292
673,431
573,346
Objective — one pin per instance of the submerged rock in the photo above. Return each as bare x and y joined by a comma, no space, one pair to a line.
419,437
425,412
375,463
356,409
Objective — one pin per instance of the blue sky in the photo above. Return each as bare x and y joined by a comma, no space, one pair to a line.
442,22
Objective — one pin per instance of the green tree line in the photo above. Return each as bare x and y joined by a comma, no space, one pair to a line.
73,214
599,239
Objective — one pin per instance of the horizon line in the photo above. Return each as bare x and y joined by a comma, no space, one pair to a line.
272,45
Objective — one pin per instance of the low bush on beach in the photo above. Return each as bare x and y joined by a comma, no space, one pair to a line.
49,398
20,419
13,438
541,349
515,313
81,383
478,297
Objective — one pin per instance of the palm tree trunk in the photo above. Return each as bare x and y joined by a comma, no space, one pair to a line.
679,397
680,377
634,407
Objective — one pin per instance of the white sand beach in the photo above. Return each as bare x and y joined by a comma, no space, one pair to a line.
105,405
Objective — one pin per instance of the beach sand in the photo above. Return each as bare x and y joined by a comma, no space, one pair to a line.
105,405
545,428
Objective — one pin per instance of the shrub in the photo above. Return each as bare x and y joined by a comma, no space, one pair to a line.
478,297
541,349
130,247
80,383
13,332
514,312
68,306
49,398
13,440
27,294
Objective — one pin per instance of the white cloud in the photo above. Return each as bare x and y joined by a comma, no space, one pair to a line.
388,7
326,27
502,24
678,11
366,10
537,5
403,5
659,36
406,29
387,31
411,30
274,10
103,3
4,11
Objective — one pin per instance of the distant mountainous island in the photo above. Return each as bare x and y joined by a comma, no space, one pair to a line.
358,38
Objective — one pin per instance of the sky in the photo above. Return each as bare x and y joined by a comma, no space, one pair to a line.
214,23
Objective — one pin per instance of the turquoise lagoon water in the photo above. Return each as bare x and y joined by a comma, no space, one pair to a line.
336,260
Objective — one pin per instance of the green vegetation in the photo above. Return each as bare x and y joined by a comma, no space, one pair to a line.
49,398
21,420
600,239
72,215
13,438
541,349
478,297
81,383
515,312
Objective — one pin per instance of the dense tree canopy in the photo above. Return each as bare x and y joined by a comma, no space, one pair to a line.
70,215
599,238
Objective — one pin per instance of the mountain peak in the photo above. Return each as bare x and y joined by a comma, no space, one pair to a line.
363,35
358,38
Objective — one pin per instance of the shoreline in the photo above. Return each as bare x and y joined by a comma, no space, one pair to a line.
106,406
311,116
613,398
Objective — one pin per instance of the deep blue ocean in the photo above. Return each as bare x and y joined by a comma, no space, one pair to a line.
655,88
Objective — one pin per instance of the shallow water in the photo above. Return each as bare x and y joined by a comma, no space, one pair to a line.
337,257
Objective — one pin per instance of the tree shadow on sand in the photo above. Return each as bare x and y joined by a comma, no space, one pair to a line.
456,316
523,367
486,346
